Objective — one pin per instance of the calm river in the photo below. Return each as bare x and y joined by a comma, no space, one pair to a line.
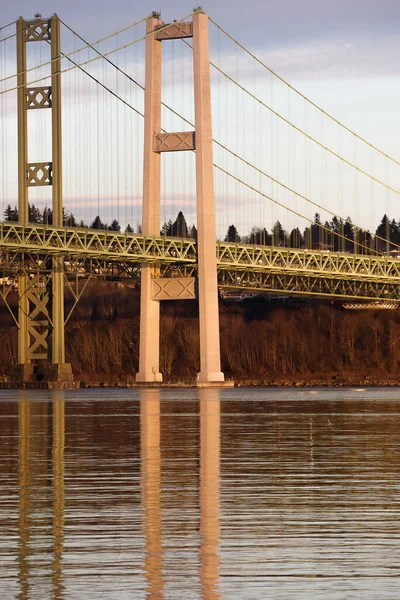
200,494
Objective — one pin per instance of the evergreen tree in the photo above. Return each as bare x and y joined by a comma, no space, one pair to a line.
47,216
278,234
261,237
11,214
115,226
337,228
348,232
316,232
97,223
394,232
68,219
295,238
383,231
232,234
328,236
179,227
166,229
34,214
193,232
129,229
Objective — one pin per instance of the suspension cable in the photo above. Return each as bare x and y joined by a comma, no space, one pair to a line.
110,62
92,59
295,212
298,129
8,25
105,87
222,146
294,89
289,189
104,56
49,62
9,37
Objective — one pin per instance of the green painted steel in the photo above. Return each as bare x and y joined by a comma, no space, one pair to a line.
240,266
93,243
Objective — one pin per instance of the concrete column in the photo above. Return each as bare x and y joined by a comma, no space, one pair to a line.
149,348
23,303
210,360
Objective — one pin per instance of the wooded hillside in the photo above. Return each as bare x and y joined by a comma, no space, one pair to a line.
260,339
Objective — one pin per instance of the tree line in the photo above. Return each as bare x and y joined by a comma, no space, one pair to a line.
336,235
45,217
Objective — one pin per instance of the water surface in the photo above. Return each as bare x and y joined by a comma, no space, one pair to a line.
175,494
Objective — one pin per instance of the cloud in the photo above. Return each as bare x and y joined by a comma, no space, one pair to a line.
332,59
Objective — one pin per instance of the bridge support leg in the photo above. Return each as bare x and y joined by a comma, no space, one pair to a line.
23,370
59,370
23,281
149,348
58,338
210,360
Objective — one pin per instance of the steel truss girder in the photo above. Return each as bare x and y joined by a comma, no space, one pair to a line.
137,248
313,262
260,268
307,285
95,244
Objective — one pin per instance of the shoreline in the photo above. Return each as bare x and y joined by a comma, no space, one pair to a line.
54,385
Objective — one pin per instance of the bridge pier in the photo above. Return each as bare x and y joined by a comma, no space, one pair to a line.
156,142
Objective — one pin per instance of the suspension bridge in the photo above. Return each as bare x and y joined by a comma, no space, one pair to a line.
126,141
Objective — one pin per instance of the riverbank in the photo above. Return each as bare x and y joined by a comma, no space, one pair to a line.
240,383
265,342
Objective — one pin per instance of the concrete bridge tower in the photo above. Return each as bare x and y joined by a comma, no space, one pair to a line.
155,143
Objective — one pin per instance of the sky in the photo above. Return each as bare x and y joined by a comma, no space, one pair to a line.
343,55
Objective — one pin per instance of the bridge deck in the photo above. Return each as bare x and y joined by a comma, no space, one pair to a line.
295,271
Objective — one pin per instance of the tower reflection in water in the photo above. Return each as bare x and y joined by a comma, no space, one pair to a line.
42,551
33,451
209,491
150,454
150,428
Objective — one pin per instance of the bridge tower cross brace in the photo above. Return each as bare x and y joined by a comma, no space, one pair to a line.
155,143
40,296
